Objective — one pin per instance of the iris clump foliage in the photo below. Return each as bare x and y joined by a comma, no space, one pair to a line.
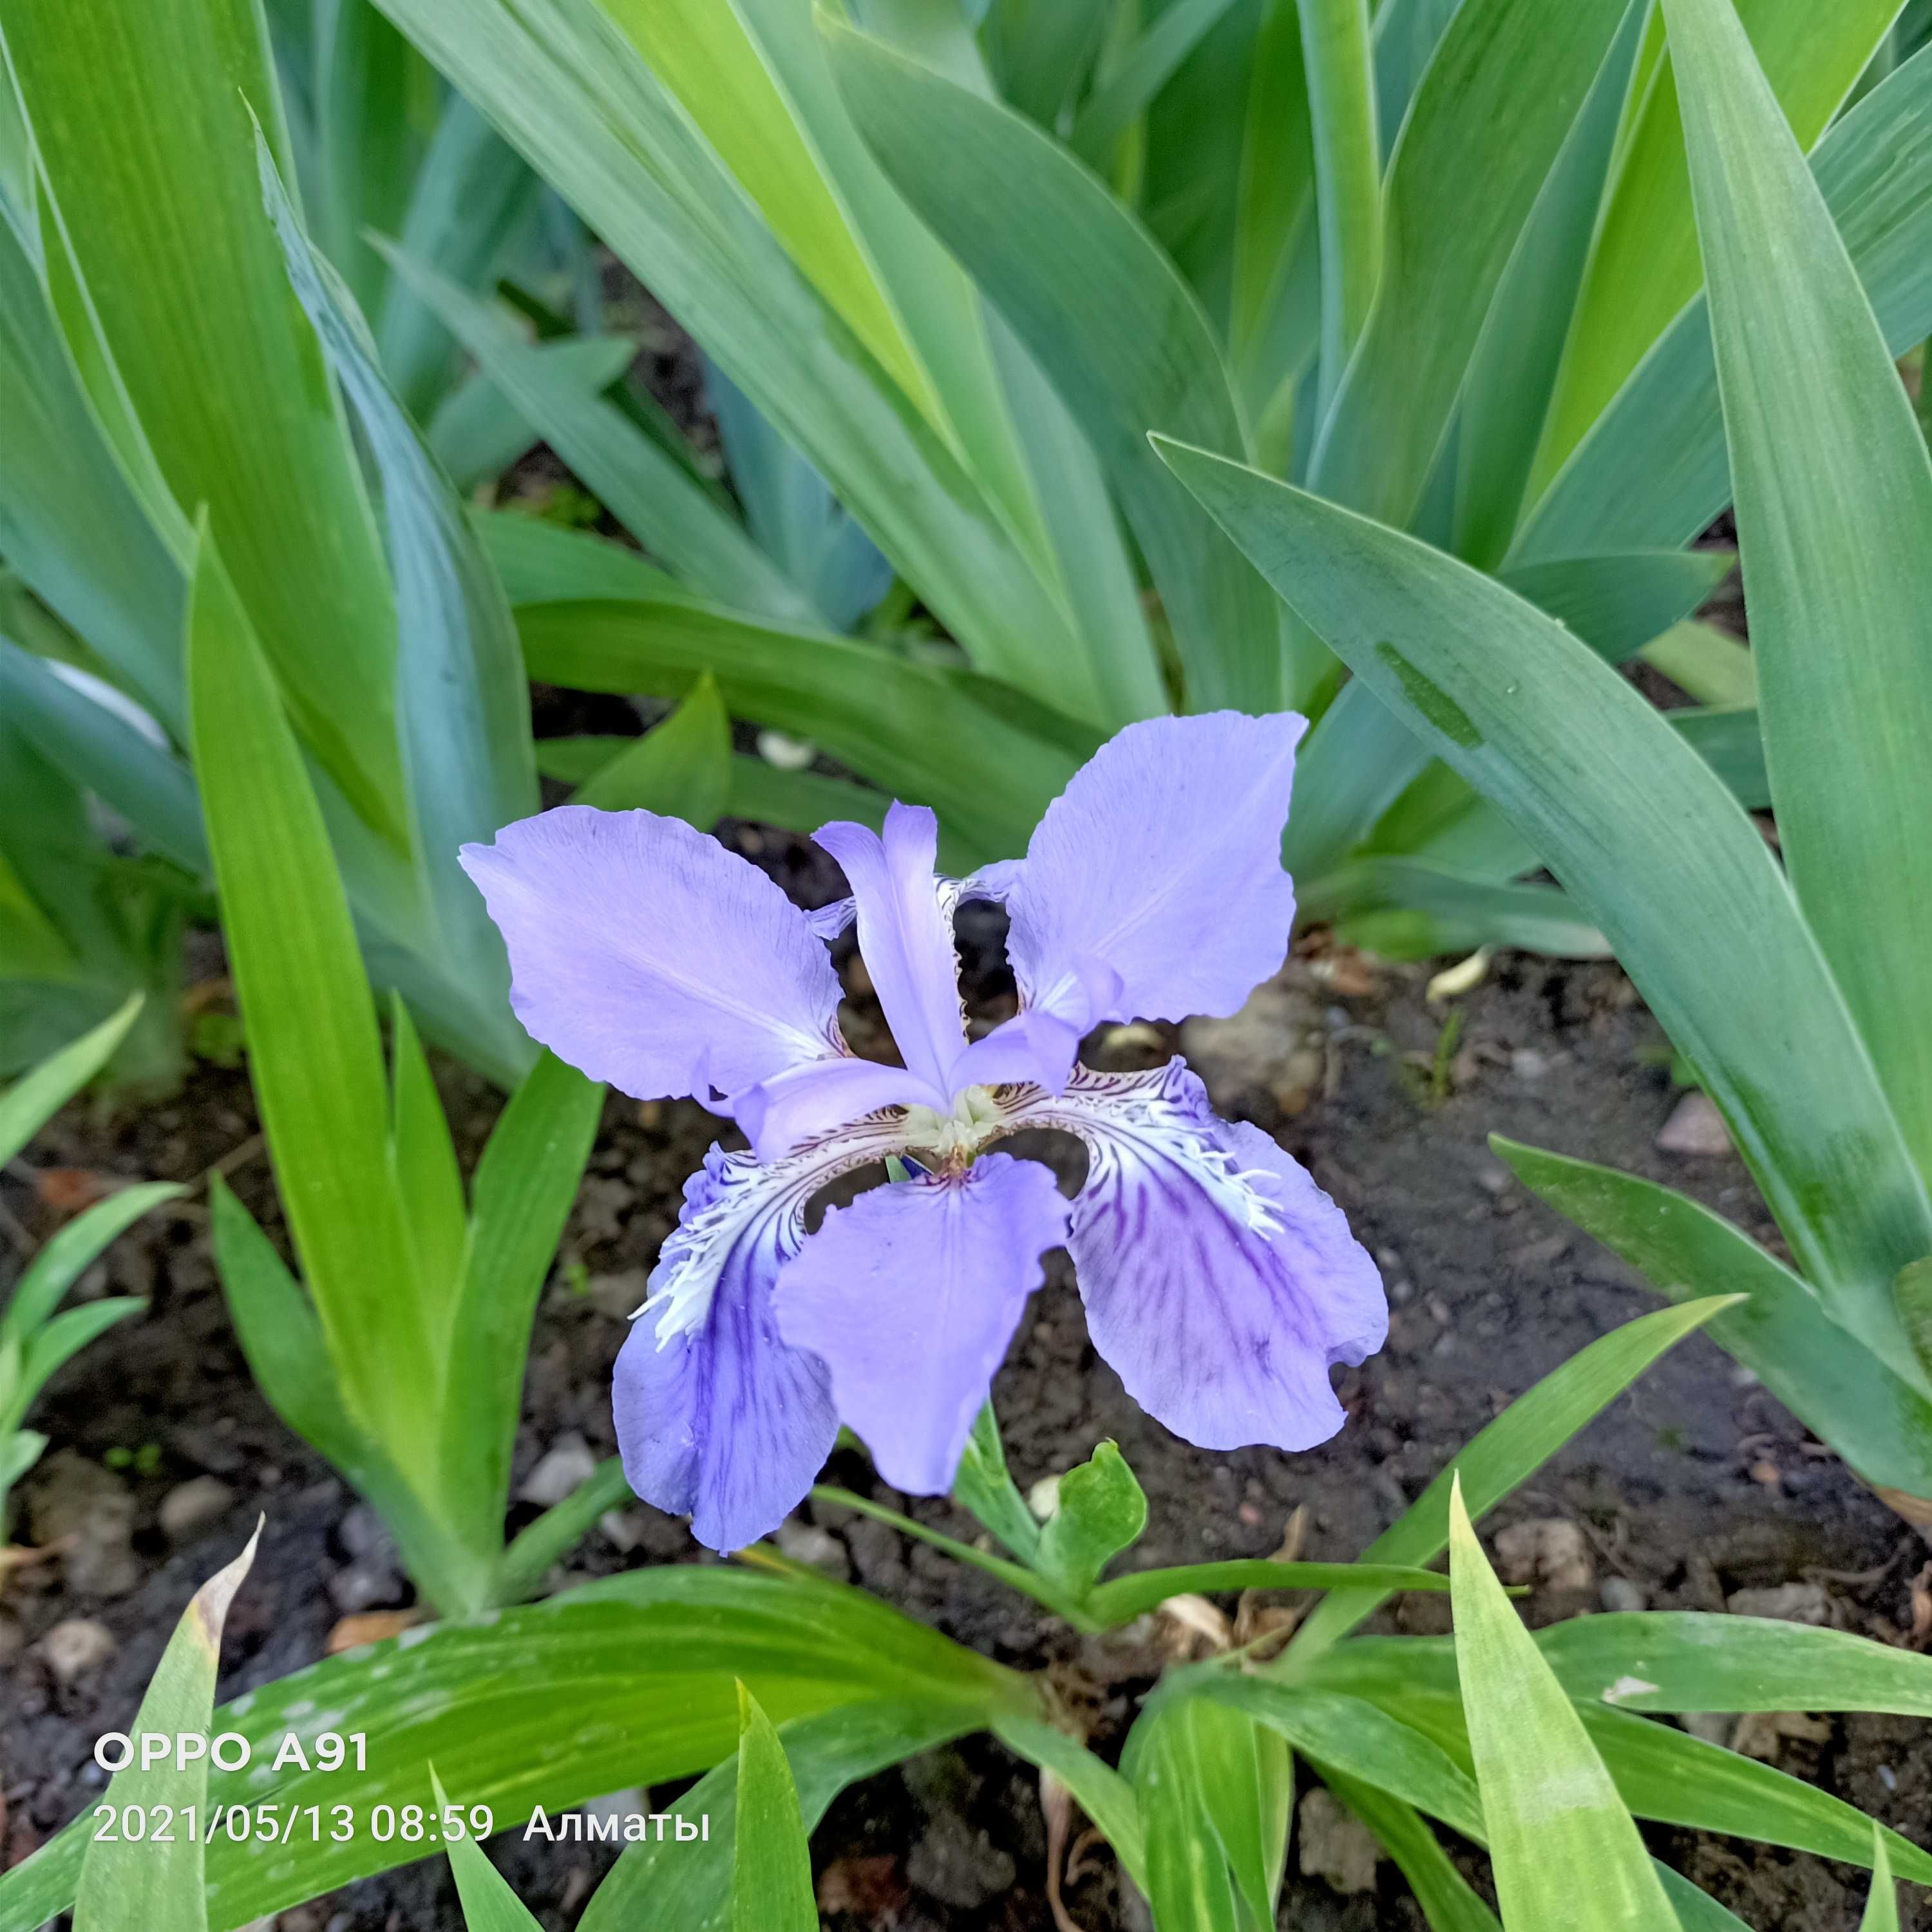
1128,415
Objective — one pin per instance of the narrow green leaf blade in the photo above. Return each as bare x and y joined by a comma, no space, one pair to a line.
423,1169
1495,107
1120,336
1527,1433
1879,1423
1833,485
128,1884
1881,1913
680,769
55,1268
315,1056
771,1877
489,1905
36,1097
1447,1900
1551,1811
1604,789
223,373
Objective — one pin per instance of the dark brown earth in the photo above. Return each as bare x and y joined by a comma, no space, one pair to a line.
1693,1486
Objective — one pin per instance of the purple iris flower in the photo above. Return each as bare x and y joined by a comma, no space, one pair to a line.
1220,1281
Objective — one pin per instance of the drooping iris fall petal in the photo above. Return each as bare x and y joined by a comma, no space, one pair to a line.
911,1295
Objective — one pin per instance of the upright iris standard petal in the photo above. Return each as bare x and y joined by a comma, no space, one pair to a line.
1153,887
905,937
718,1417
910,1297
1220,1282
803,1102
645,954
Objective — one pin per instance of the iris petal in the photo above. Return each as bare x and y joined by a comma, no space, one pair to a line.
644,953
1153,887
718,1416
1221,1283
910,1296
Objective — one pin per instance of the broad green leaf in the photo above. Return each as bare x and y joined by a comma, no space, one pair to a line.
1512,371
1495,107
36,1097
224,376
1833,485
1553,1813
58,1265
1666,1775
1103,1511
135,1885
282,1338
1121,337
489,1905
1855,1400
1644,263
314,1054
673,1887
1274,198
771,1873
1246,1773
638,1675
1361,757
464,707
1188,1883
1912,1291
560,82
1504,1454
726,63
375,112
102,751
1102,1792
521,1196
1661,1773
886,716
71,523
1141,72
1604,789
1681,1661
681,768
1447,1900
423,1169
1696,1910
655,497
1653,467
540,563
1881,1913
1044,49
471,194
1338,60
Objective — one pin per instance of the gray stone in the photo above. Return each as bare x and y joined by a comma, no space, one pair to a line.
1549,1550
1695,1128
806,1543
71,1649
74,1502
1789,1602
1619,1593
568,1463
191,1507
1335,1845
1275,1045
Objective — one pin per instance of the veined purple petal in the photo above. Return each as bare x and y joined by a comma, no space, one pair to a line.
910,1297
643,952
1034,1048
718,1417
1220,1282
1153,887
804,1102
905,937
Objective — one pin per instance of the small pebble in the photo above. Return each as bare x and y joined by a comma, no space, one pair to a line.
1620,1593
806,1543
1335,1845
568,1463
1789,1602
190,1507
71,1649
1695,1128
